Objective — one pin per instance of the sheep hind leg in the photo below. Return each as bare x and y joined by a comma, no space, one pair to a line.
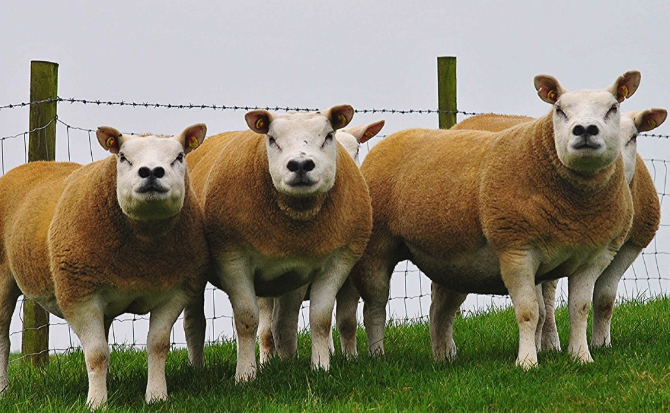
194,329
443,308
345,316
9,293
265,338
550,340
604,294
285,322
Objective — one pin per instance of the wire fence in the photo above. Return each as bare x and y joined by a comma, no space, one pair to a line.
410,289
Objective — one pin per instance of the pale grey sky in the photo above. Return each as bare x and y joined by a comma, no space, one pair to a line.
371,54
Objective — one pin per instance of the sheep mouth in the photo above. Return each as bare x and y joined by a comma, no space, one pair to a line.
301,180
152,187
587,143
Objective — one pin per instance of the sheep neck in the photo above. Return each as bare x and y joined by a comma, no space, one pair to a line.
300,209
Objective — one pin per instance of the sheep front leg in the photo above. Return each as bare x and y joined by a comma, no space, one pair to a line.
580,291
518,270
87,321
9,292
194,330
161,320
443,307
604,294
285,321
237,280
325,287
266,341
550,340
345,315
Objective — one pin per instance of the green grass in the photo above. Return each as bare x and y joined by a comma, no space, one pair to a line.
633,375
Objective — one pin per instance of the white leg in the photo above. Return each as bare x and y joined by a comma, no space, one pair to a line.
550,339
237,280
9,292
161,321
87,321
580,291
443,307
542,315
194,329
604,294
266,341
321,302
285,322
518,273
345,314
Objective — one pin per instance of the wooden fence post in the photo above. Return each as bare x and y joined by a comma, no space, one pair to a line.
43,85
446,90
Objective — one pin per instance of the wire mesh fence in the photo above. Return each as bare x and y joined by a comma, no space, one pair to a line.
410,289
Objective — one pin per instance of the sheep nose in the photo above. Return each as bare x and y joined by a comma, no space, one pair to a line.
300,165
591,130
157,172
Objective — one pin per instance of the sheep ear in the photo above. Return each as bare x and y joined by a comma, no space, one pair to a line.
364,133
548,88
626,85
259,120
339,116
192,137
650,119
110,139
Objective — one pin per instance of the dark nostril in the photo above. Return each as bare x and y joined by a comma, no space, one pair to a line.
578,130
144,172
293,165
300,165
592,130
158,172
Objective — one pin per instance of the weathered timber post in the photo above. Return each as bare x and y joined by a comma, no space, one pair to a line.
446,90
43,85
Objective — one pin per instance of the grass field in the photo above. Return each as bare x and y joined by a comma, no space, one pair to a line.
633,375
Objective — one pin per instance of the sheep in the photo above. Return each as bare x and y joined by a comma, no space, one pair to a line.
645,223
646,220
496,213
284,206
88,243
350,139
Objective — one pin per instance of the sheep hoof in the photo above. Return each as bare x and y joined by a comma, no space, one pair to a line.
155,397
527,363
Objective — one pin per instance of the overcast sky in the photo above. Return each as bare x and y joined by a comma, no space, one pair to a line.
371,54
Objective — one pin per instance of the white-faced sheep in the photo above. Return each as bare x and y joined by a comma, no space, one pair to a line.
284,206
645,223
496,213
88,243
350,139
646,220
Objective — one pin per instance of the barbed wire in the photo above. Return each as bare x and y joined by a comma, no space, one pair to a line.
156,105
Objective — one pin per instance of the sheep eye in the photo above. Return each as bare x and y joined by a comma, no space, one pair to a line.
560,112
122,158
612,110
633,139
180,158
329,138
272,140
